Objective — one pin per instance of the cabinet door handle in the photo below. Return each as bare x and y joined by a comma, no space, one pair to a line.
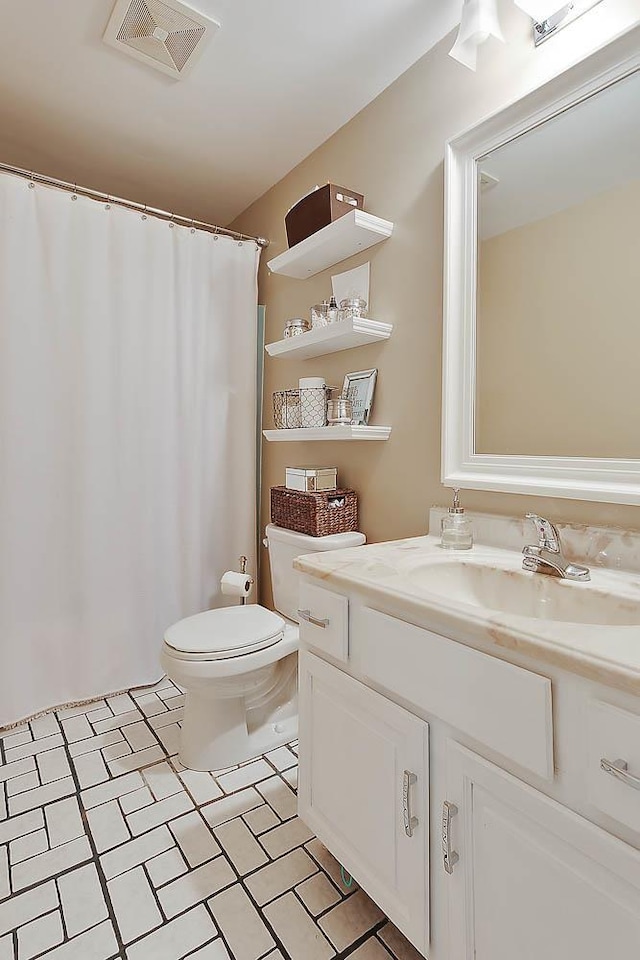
620,770
449,856
306,615
410,823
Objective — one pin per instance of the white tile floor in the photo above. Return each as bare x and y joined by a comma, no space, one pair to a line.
109,848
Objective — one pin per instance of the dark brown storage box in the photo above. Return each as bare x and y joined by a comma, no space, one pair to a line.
318,209
316,514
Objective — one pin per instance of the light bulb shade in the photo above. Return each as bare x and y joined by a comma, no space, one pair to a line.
479,22
540,10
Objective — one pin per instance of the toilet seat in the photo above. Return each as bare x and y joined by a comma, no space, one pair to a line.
225,633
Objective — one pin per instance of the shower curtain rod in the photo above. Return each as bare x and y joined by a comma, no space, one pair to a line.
131,205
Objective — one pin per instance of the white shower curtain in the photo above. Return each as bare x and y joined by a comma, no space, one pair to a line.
127,438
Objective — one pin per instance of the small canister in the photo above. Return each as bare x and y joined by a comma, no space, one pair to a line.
320,314
339,411
352,308
296,326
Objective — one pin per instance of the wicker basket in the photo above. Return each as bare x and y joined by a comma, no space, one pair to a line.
316,514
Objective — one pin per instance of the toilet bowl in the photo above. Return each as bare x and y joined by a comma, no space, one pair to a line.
239,665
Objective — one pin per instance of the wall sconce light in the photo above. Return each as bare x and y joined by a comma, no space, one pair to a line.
548,18
479,22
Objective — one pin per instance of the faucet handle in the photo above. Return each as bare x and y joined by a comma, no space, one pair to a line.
548,535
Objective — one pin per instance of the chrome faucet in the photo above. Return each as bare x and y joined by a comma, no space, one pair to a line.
547,556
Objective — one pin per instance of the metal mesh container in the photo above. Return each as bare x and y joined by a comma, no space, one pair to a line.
300,408
313,406
286,409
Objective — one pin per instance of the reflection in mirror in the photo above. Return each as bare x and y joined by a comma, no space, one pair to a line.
558,298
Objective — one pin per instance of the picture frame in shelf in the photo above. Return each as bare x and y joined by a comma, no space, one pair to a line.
360,387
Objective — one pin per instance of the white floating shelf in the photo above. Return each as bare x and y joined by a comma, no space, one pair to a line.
330,339
329,433
340,239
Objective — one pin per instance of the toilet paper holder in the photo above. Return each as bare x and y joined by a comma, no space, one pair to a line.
236,583
243,569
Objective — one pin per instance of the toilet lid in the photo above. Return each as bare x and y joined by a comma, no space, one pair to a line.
225,632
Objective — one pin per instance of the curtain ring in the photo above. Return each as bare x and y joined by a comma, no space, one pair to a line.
74,195
144,213
107,205
171,223
215,232
32,182
193,229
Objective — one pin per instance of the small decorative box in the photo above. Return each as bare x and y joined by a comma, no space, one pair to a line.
318,209
311,479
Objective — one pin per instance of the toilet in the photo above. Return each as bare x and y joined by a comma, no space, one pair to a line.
239,665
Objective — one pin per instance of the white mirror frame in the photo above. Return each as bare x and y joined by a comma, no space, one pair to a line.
612,481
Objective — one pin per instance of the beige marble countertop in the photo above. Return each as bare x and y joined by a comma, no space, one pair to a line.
388,576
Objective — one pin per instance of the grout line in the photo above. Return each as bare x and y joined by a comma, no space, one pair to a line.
96,859
221,935
240,880
236,877
60,908
203,946
369,935
153,889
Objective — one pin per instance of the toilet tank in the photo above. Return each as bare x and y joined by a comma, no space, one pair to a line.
284,547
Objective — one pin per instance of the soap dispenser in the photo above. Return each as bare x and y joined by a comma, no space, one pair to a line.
456,528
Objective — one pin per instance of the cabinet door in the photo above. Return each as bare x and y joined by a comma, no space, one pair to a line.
533,881
364,790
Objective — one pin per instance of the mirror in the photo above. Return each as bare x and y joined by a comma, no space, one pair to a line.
542,310
557,302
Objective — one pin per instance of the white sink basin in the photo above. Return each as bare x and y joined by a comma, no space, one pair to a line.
533,595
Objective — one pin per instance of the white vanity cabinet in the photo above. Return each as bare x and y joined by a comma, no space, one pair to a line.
363,789
515,791
531,878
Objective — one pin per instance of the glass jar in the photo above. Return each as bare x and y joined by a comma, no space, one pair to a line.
324,313
352,308
320,314
296,326
339,411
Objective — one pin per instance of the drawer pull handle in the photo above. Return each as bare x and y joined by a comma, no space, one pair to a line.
410,823
449,856
306,615
620,770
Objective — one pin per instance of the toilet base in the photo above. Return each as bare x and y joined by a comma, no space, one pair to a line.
215,735
220,731
239,707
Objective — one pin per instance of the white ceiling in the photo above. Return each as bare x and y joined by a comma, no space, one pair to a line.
271,86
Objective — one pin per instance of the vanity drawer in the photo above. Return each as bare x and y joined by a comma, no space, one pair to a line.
324,620
504,707
613,736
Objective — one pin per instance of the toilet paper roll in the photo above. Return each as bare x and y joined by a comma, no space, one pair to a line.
236,584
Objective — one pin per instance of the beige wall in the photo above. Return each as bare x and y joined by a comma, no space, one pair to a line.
558,338
393,153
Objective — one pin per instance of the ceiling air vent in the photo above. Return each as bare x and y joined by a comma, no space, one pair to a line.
164,34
